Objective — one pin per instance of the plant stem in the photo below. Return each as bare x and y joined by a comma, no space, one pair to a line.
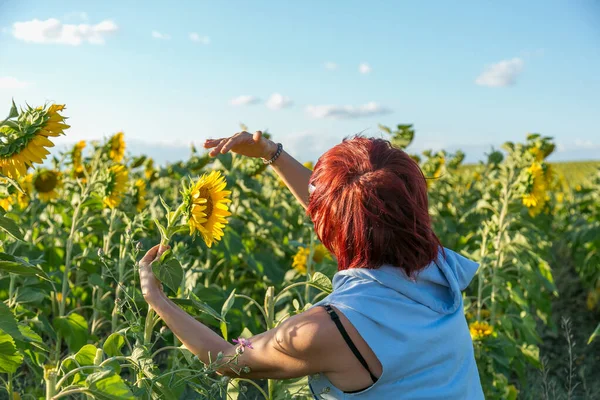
50,379
11,291
480,278
65,280
309,264
9,386
255,385
118,288
106,251
502,226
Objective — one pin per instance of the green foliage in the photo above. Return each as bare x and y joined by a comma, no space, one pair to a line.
72,314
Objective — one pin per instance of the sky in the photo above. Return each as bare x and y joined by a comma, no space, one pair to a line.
469,75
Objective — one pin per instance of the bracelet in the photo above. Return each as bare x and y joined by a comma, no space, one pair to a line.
275,156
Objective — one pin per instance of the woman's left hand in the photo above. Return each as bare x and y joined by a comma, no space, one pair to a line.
151,287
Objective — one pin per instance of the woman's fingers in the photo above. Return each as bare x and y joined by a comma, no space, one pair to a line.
235,140
210,143
154,253
150,255
217,148
257,136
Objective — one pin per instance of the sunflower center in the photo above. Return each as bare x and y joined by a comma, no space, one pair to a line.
46,182
205,194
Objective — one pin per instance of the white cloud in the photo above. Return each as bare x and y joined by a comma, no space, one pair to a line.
278,101
244,100
9,82
194,37
331,66
501,74
54,31
347,112
158,35
364,68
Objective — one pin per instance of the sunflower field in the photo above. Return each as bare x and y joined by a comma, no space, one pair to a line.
243,258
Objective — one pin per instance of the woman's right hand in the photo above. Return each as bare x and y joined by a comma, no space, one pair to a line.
244,143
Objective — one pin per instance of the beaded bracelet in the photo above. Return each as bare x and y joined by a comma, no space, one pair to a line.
276,156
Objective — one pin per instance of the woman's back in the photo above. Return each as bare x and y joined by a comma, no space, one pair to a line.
416,328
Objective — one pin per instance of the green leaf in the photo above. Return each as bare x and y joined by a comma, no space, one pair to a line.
228,304
163,231
16,265
113,345
86,355
30,295
30,338
8,323
14,111
593,335
74,329
170,273
322,281
107,385
166,256
532,354
10,358
198,305
223,327
10,226
164,204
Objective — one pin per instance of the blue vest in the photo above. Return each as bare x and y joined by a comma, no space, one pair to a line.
416,328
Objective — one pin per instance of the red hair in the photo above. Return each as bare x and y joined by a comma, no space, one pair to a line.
370,207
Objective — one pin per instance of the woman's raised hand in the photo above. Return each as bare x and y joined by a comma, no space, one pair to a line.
244,143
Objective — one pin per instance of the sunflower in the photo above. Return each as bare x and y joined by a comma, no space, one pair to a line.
6,202
26,184
536,196
205,206
116,186
139,194
117,147
480,330
23,141
301,257
149,169
46,183
76,155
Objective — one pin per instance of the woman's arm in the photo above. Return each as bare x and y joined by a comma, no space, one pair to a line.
295,175
302,345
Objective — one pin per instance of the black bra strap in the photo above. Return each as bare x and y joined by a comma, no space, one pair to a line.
338,323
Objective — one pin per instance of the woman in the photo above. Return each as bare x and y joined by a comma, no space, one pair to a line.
393,327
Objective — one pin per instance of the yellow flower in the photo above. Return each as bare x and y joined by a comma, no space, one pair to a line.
24,142
537,153
149,170
309,165
139,195
205,206
480,330
536,197
26,184
46,183
116,186
300,261
117,147
7,202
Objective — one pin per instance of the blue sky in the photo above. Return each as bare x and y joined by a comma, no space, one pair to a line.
468,74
